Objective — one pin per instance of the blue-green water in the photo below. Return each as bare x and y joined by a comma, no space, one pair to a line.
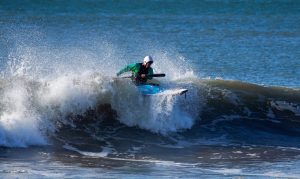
61,103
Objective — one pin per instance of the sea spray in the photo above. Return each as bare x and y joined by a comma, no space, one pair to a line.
73,95
19,122
32,111
65,81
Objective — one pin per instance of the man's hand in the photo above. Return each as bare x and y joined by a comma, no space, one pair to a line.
143,76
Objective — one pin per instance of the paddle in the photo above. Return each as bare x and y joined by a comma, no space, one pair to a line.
157,75
154,75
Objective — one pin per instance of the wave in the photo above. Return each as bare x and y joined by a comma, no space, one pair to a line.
251,114
46,106
35,111
279,104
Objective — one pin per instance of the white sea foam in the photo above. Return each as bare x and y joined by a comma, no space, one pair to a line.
19,123
104,153
162,113
282,105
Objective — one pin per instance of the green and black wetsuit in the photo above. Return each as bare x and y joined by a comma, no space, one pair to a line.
137,70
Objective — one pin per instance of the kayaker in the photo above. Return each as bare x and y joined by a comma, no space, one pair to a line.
140,71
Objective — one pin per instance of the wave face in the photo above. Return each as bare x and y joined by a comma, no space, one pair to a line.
252,114
279,104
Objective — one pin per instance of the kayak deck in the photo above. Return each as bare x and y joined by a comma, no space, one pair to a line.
149,89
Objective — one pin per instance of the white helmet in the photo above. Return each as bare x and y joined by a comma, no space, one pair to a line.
148,59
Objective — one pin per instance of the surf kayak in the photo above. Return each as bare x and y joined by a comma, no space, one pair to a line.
148,89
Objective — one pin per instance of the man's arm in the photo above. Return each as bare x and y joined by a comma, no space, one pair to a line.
126,69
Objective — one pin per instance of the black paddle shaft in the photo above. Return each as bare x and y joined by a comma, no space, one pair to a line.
154,75
157,75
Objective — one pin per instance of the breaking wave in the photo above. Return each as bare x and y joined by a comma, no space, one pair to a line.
34,111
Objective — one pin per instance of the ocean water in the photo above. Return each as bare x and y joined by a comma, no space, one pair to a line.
64,114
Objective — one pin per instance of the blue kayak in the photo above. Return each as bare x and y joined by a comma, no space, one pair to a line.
149,89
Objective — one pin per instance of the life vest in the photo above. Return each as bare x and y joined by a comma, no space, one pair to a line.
143,70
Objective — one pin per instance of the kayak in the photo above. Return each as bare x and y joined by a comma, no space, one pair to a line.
152,87
149,89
